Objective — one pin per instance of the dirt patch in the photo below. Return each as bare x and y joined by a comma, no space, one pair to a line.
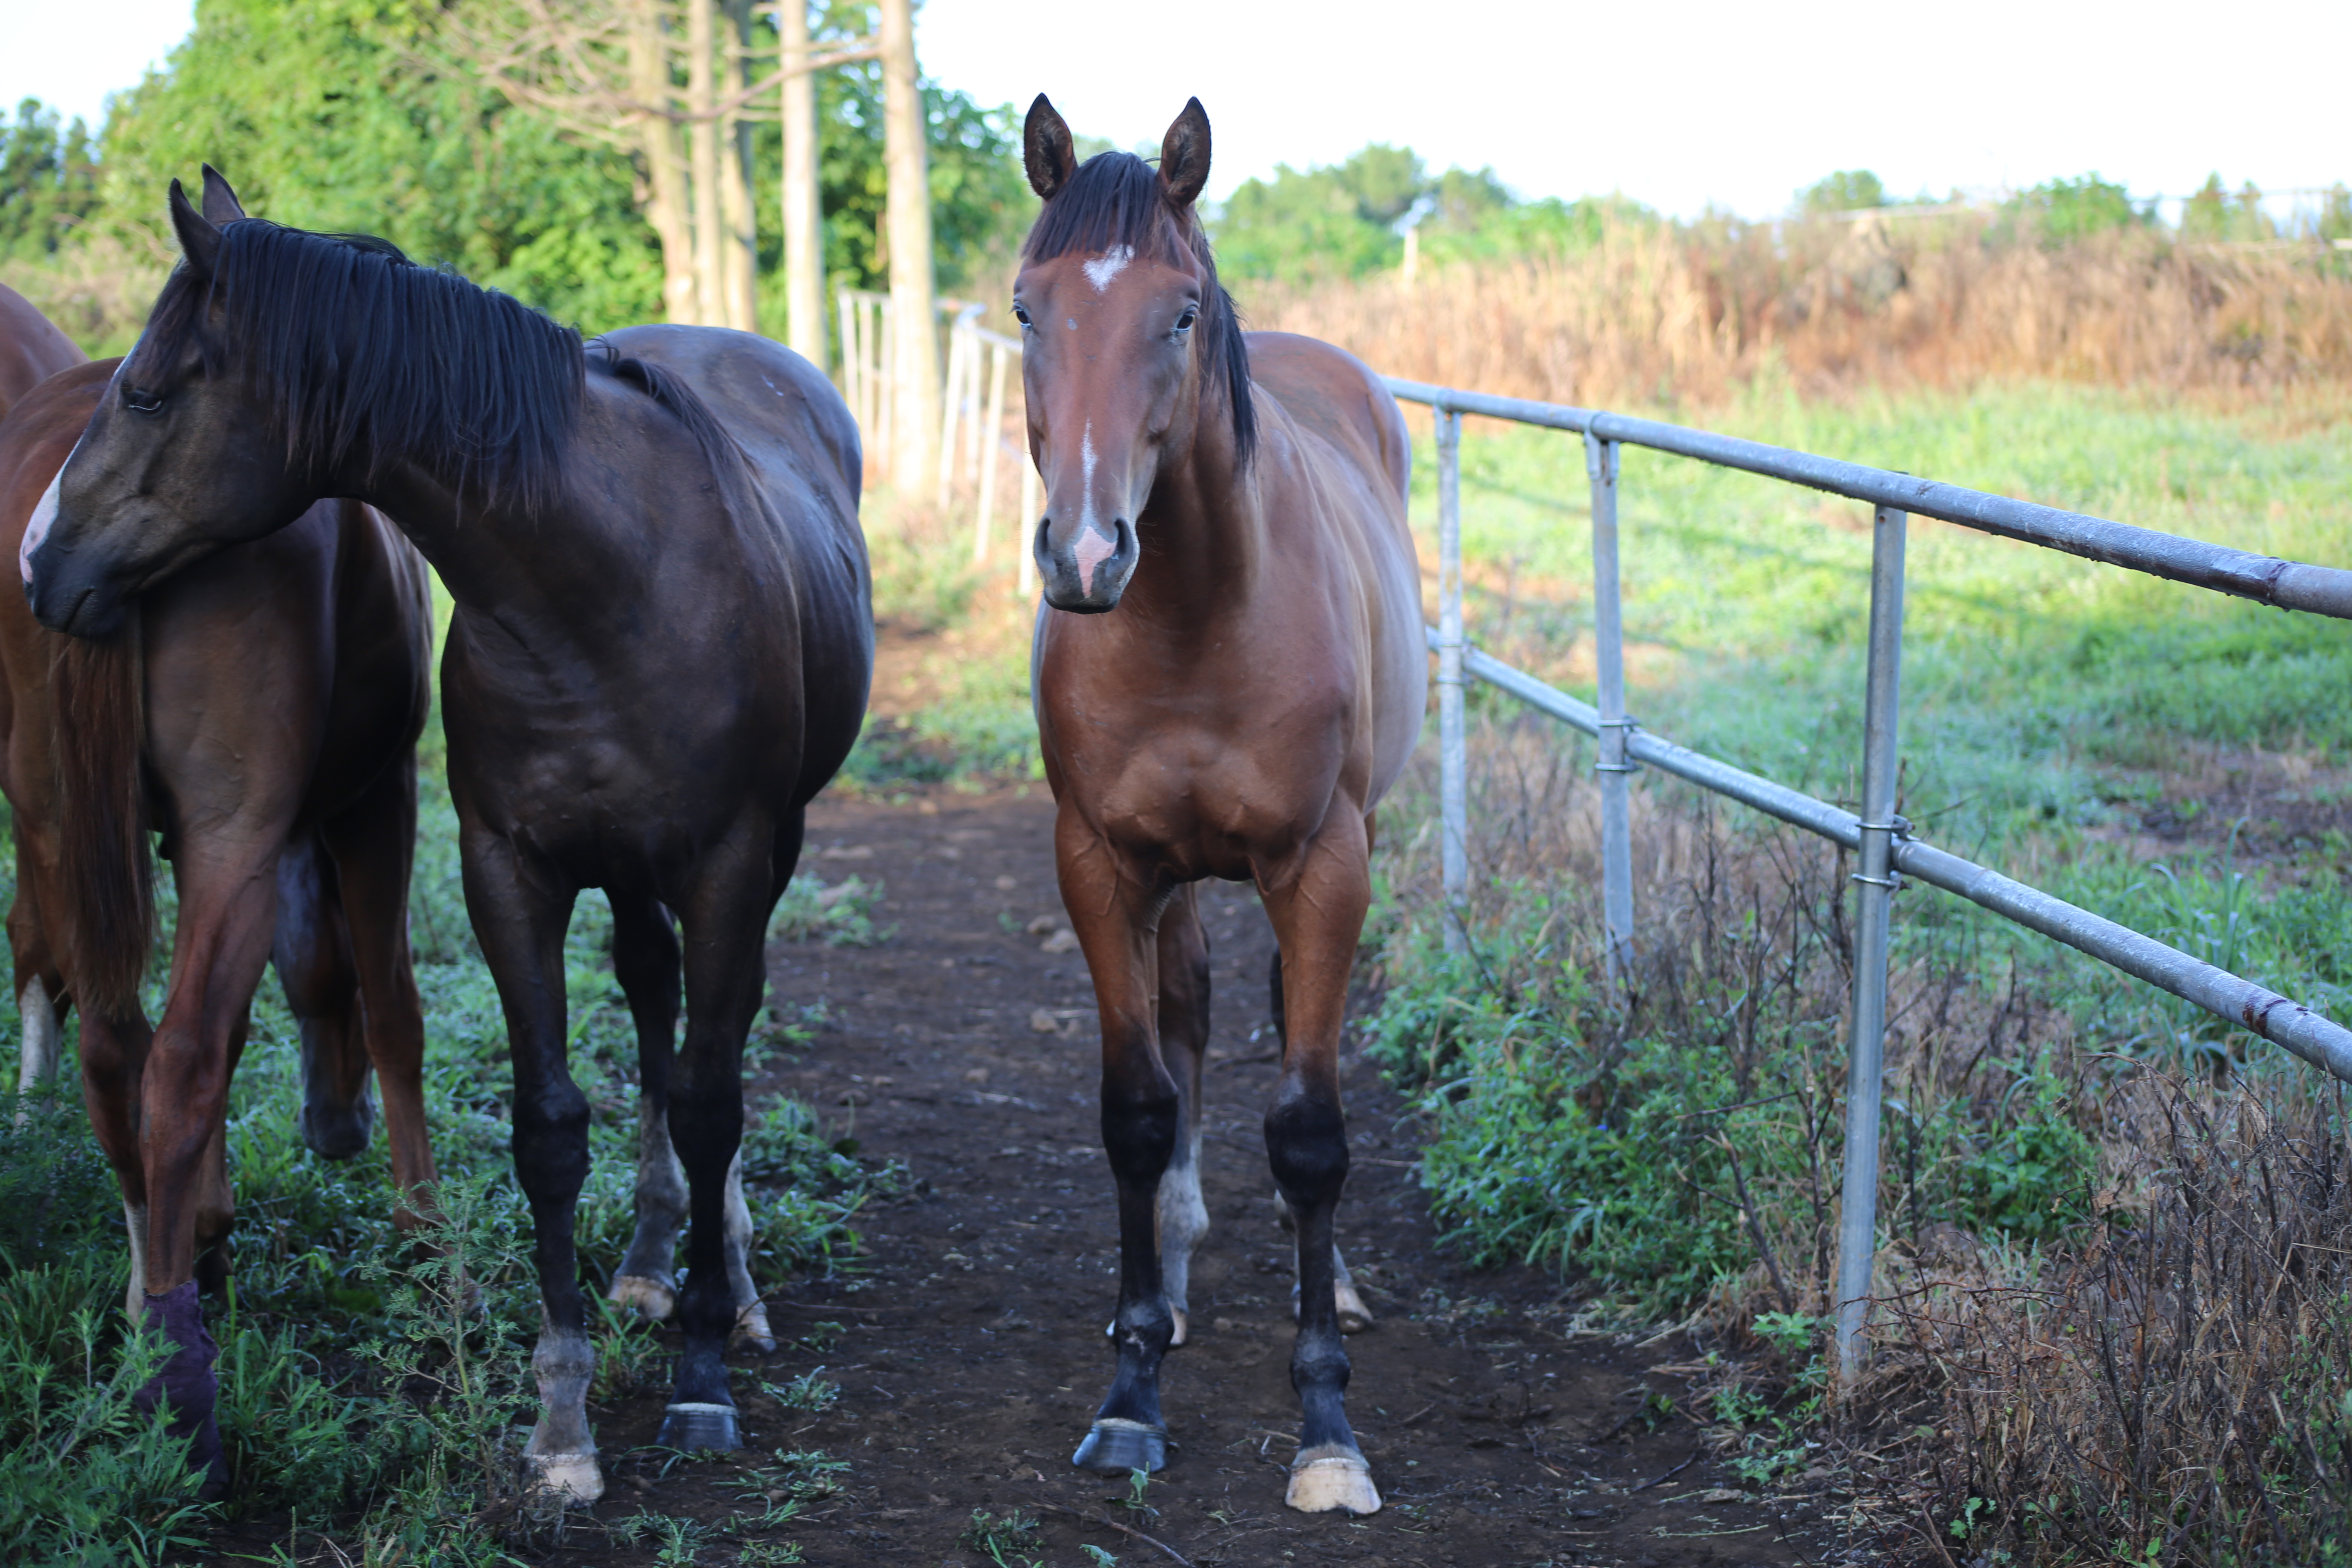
2278,805
970,1348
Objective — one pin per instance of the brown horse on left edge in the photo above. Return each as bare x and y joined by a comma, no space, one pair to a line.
261,712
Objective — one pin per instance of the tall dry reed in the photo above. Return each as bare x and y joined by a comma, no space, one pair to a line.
1654,315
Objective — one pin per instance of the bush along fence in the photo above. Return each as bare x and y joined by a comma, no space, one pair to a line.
1884,848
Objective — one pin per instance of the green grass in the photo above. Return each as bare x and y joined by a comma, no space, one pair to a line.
2030,678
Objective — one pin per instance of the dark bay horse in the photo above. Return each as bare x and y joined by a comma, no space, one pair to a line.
660,653
261,712
1229,673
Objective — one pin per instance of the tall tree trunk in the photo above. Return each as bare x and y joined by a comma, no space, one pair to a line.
742,252
803,218
665,201
702,138
915,434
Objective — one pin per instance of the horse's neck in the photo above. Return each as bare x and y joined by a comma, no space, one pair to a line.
1207,520
499,560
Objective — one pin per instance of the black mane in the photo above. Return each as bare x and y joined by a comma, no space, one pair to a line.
1117,199
354,346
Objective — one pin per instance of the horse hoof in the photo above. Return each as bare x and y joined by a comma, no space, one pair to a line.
649,1298
1115,1447
566,1480
1183,1323
751,1331
698,1427
1332,1480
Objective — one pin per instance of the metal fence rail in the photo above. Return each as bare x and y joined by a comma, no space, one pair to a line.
1881,839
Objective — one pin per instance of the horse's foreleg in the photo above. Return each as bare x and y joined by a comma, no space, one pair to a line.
726,925
1183,1042
373,846
227,914
1318,916
1354,1316
1142,1113
312,949
114,1053
645,962
518,912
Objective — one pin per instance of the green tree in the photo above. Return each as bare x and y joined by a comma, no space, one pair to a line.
340,115
1331,221
1846,190
2215,214
2060,212
2335,214
49,181
981,203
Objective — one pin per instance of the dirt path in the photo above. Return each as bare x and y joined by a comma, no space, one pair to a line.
971,1352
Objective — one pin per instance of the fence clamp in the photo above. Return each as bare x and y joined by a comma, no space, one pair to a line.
1898,829
1629,725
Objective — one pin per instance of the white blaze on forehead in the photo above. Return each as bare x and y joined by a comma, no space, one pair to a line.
1108,265
45,515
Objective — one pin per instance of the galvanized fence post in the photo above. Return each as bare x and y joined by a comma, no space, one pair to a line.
1453,764
1608,645
1858,1213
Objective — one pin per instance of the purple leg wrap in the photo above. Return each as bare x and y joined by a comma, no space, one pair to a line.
186,1382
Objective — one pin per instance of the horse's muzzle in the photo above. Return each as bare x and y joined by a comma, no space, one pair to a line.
71,602
1086,573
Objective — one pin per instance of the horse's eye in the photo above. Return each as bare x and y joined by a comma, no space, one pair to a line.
141,402
1021,315
1185,322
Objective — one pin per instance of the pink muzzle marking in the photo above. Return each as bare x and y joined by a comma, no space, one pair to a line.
1091,549
36,527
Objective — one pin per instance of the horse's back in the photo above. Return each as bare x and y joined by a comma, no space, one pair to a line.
32,348
805,454
1333,393
1351,444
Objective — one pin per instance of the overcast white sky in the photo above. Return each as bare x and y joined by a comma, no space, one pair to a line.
1677,105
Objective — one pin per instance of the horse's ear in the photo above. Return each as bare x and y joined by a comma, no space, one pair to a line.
221,205
199,238
1184,155
1045,148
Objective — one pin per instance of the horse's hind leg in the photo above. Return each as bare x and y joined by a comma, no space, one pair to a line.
1355,1317
1318,915
645,962
41,985
312,951
374,849
1183,1042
